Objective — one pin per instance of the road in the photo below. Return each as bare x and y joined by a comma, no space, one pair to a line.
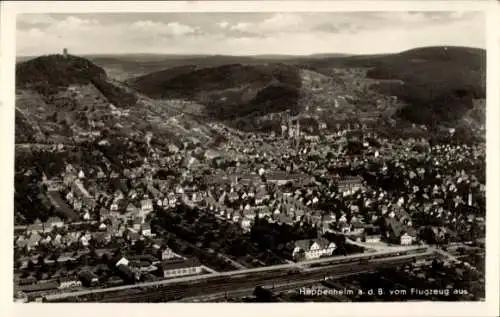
224,283
452,258
233,262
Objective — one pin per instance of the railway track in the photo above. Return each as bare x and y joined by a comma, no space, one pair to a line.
215,277
225,286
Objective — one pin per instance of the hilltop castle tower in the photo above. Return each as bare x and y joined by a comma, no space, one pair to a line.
65,52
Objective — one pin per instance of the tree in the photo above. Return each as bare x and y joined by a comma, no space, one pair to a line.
139,247
301,255
262,294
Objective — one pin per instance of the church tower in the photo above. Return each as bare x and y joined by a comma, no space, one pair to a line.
284,127
65,52
290,127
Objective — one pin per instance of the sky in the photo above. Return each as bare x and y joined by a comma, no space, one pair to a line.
246,33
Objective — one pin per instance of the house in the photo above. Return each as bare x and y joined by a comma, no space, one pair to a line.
122,261
357,226
373,238
114,206
146,206
283,219
172,199
88,278
85,241
342,218
233,196
69,178
281,178
36,227
234,216
310,249
132,194
104,214
131,209
81,192
344,227
264,212
248,213
86,215
71,238
133,237
261,196
396,232
326,227
20,241
102,238
349,185
69,282
33,241
138,221
77,204
154,192
127,274
406,239
246,224
180,267
327,220
167,253
146,229
46,240
118,194
40,287
70,196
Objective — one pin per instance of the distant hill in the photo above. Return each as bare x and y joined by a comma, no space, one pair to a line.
433,85
60,99
228,91
50,74
438,84
124,67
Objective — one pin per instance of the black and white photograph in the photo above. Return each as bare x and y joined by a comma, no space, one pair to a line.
250,157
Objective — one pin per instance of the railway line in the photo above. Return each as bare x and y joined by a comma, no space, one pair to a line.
336,272
223,275
225,284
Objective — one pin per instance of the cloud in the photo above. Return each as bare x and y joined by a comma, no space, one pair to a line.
160,28
343,27
223,24
72,22
241,26
281,22
243,33
439,15
31,19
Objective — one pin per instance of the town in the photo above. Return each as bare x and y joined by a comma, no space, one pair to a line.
146,212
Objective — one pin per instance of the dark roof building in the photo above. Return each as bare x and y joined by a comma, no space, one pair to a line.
180,263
